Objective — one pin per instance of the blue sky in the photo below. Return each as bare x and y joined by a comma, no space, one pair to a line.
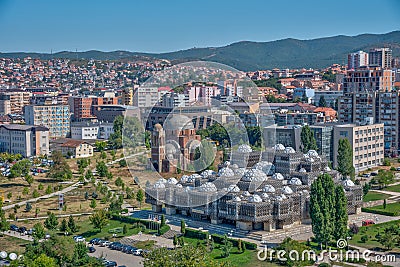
161,26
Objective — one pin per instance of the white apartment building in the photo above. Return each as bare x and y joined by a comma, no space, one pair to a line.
26,140
367,142
357,59
54,117
84,131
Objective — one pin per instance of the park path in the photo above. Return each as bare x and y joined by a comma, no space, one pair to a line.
65,190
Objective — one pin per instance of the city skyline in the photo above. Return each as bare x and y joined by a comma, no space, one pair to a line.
110,27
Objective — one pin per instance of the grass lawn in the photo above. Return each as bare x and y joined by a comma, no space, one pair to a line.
371,232
12,244
393,188
390,207
87,231
245,259
373,196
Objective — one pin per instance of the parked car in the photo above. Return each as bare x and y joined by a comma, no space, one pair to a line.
79,238
47,236
398,169
13,227
22,230
374,173
367,222
94,240
91,249
137,252
366,175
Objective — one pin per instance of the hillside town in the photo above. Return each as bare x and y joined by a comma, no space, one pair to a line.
120,146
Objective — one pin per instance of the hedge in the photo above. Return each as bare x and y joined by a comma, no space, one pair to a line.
192,233
131,220
381,212
220,238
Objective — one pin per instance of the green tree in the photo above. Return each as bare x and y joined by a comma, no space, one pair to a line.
89,175
384,204
307,139
322,212
49,190
322,102
99,219
175,241
341,216
29,179
60,170
25,191
20,169
40,186
51,221
125,229
345,159
35,194
140,197
239,245
4,225
183,226
28,207
44,261
101,169
39,231
72,225
122,163
385,178
100,145
226,247
64,226
93,204
162,220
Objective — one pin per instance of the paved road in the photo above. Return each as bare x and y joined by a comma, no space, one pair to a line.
128,260
18,235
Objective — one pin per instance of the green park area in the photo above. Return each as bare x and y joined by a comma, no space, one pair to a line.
393,188
380,236
391,209
374,196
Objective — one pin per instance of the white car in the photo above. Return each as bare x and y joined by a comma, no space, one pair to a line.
79,239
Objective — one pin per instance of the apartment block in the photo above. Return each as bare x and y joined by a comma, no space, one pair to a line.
26,140
54,117
13,101
367,142
357,59
380,57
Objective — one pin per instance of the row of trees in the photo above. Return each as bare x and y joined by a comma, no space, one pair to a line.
328,210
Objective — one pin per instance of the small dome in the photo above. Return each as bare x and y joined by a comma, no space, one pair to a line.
208,187
295,181
178,122
287,190
237,199
310,160
233,188
172,181
170,149
179,185
277,176
234,166
327,169
184,178
246,194
348,183
302,170
264,196
162,180
227,163
194,176
279,147
226,172
254,175
268,189
265,166
312,153
207,173
244,149
159,185
255,198
290,150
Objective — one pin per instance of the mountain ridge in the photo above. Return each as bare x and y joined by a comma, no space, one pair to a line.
251,55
